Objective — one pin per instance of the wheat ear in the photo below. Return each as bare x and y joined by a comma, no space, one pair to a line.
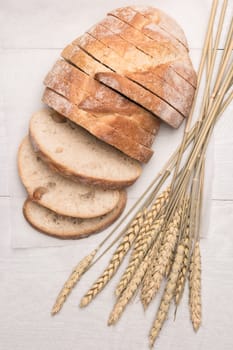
116,259
129,292
138,258
75,276
186,242
170,263
151,268
144,239
195,287
149,219
167,296
165,251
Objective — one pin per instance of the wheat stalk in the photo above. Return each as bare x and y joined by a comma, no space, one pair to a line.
129,292
165,251
137,259
167,296
116,259
195,287
186,242
75,276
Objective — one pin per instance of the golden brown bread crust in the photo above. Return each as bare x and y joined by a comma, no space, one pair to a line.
145,77
111,217
110,58
156,25
145,39
66,172
164,21
141,17
144,97
156,105
154,52
96,127
89,65
137,35
67,81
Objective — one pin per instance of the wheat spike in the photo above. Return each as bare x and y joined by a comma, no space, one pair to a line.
129,292
75,276
195,287
167,296
144,238
186,242
137,259
152,214
151,268
169,264
165,251
116,259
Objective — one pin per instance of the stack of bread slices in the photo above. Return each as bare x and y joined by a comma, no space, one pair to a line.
107,95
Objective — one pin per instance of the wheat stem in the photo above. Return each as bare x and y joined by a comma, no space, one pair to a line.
199,77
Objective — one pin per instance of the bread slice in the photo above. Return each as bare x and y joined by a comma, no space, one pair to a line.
77,87
66,227
90,66
148,78
137,92
153,23
60,194
79,155
141,15
97,128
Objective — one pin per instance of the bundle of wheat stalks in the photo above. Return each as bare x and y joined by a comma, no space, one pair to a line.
163,236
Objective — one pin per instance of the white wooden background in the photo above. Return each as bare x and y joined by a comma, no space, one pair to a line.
32,34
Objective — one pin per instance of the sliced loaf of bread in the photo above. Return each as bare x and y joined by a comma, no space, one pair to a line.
144,97
90,66
77,154
96,127
125,86
148,77
98,97
66,227
149,45
155,24
60,194
71,83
